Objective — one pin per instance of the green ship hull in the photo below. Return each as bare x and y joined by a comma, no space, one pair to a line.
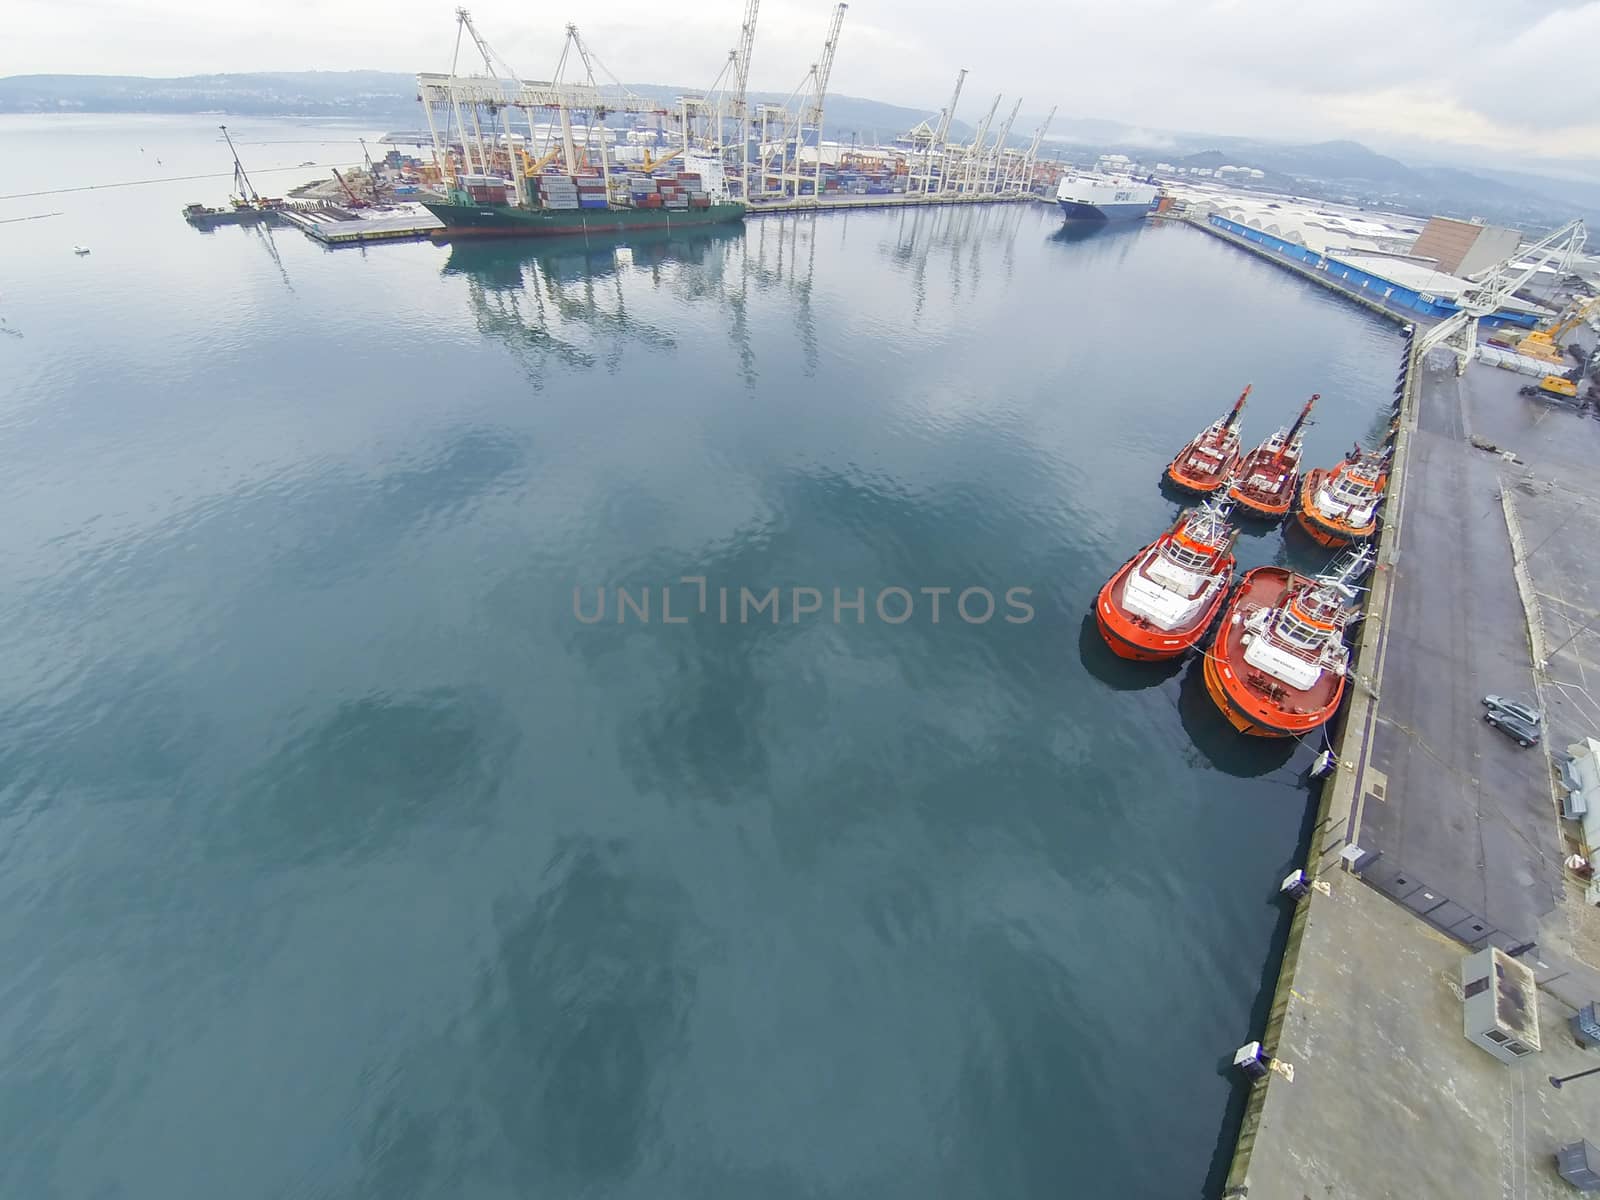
500,220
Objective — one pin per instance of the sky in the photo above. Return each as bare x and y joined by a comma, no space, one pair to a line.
1506,81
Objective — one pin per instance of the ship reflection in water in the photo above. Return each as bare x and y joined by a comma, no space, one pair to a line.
1219,744
575,302
1077,230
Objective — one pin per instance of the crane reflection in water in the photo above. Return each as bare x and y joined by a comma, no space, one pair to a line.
579,304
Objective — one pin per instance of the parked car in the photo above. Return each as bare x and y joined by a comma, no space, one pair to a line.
1524,710
1514,727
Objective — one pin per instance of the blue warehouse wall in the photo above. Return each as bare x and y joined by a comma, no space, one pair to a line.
1355,278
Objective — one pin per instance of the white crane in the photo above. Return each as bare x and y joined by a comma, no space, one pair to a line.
942,133
991,177
741,83
1458,333
463,95
975,151
1033,150
820,75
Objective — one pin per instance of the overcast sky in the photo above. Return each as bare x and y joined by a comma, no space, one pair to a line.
1516,78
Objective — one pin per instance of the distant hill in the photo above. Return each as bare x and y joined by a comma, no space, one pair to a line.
371,95
375,95
1334,170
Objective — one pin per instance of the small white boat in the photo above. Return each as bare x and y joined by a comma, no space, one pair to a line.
80,250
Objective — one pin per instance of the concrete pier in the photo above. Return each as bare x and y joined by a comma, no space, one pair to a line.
841,203
352,227
1461,826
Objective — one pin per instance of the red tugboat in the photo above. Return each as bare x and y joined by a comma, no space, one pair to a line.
1277,665
1340,506
1165,597
1265,481
1204,464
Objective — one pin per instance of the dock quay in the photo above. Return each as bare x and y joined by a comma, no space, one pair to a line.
1435,835
335,226
846,203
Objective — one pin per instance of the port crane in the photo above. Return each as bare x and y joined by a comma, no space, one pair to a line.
355,200
1545,344
245,194
821,72
1458,332
936,145
996,163
975,151
461,98
704,119
1032,156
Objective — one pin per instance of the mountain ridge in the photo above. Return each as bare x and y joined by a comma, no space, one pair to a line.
1336,169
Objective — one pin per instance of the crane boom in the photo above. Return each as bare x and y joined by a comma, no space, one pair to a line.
975,151
941,135
825,63
1033,151
992,179
741,83
1459,332
247,190
943,132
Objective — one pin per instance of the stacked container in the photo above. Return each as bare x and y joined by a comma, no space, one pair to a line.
591,191
675,192
558,192
483,189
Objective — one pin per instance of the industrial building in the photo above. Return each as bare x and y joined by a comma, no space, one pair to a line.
1465,247
1380,253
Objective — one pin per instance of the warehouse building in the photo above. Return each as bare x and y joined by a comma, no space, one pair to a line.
1465,247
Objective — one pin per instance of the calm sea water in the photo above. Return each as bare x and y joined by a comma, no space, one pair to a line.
337,858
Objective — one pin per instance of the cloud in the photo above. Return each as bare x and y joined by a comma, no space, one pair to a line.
1501,75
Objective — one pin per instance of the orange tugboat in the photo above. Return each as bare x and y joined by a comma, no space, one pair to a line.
1277,665
1204,464
1165,597
1340,506
1264,483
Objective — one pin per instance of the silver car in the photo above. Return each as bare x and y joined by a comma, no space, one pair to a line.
1523,710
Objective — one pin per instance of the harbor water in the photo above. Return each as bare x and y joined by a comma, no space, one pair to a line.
343,854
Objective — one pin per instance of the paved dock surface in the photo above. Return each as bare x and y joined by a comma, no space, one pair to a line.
1389,1100
1462,815
1487,584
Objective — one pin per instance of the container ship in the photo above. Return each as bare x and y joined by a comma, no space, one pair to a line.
1340,506
555,205
1164,598
1277,665
1089,196
1208,462
1264,483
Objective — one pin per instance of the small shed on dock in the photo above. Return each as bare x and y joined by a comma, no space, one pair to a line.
1500,1005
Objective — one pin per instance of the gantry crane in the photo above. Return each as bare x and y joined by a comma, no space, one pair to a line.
820,75
741,83
1458,333
1033,152
975,151
942,134
464,95
991,176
